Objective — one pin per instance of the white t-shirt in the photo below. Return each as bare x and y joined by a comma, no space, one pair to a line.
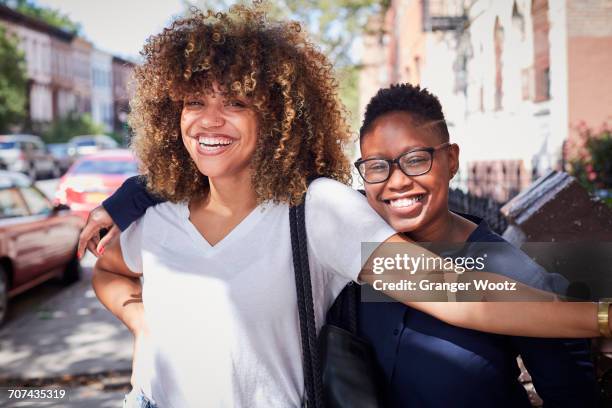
223,319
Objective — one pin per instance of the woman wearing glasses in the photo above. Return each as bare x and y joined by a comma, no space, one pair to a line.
407,164
229,125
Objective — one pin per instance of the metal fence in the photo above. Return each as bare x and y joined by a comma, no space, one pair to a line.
484,207
485,189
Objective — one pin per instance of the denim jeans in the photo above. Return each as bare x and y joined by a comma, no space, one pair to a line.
135,399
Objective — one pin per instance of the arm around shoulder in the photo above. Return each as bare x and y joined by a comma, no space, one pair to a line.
532,319
130,202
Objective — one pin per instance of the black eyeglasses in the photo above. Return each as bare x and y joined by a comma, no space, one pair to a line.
415,162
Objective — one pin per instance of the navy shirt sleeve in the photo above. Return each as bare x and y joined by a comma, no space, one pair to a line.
130,202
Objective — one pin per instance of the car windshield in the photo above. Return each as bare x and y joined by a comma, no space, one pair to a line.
85,143
59,150
118,167
7,145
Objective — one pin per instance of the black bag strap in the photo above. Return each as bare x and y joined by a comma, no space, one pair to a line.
313,383
343,312
353,299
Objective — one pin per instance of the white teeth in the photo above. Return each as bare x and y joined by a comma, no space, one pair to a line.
405,202
214,141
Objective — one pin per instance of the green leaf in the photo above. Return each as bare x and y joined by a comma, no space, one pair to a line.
13,82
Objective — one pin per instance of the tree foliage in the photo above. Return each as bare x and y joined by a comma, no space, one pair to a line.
332,24
589,155
13,82
50,16
73,124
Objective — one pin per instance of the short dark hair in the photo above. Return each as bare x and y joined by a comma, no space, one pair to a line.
422,105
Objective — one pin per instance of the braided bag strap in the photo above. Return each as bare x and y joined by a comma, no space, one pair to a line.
313,383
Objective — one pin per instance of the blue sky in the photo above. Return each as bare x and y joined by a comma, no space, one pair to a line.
118,26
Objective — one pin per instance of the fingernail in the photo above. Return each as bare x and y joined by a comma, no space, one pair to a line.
101,251
79,255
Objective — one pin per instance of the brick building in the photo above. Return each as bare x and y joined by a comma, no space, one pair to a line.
589,56
67,74
35,41
102,107
514,78
81,70
63,99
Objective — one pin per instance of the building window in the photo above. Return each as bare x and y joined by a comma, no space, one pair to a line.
527,84
546,83
499,48
541,48
518,22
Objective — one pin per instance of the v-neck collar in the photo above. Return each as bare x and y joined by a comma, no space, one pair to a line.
242,228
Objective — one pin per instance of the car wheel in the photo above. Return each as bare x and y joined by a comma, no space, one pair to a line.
72,272
3,294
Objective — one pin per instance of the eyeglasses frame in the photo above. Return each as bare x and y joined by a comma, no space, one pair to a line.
391,162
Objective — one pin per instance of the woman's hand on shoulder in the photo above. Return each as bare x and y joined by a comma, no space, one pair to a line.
92,236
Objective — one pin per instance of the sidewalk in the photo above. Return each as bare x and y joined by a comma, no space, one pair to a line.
70,342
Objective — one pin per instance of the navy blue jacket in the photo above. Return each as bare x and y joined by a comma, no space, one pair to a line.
429,363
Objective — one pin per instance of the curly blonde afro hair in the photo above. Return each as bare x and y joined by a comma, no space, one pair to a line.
302,126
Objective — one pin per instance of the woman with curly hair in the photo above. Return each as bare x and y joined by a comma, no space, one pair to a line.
233,115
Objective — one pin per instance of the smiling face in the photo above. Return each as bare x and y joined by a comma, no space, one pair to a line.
412,204
219,133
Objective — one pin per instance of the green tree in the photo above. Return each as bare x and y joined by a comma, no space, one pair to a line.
13,83
348,81
589,154
48,15
73,124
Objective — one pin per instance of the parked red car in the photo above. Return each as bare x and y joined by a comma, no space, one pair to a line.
38,241
93,178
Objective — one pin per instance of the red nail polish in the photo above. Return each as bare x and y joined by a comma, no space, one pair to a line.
101,250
